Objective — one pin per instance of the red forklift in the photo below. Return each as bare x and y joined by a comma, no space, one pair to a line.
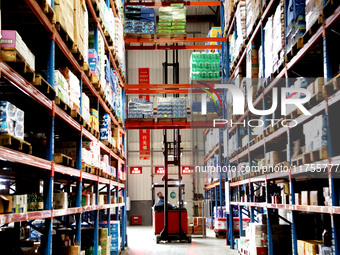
171,223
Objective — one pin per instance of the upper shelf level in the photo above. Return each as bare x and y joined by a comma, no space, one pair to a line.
161,4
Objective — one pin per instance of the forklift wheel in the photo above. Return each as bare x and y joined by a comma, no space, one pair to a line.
189,239
158,238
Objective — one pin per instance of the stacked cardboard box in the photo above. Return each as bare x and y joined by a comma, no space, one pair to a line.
11,120
73,89
85,105
104,241
199,227
278,37
309,247
105,127
315,132
257,235
60,200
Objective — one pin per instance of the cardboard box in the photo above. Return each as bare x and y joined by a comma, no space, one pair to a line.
198,230
12,40
190,229
5,204
71,250
313,197
297,198
305,198
199,221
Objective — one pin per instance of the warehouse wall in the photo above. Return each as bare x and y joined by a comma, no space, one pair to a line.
139,186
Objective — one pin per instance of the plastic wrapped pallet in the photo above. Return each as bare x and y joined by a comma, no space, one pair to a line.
205,66
8,113
315,132
172,19
253,11
268,47
295,22
277,58
313,12
228,8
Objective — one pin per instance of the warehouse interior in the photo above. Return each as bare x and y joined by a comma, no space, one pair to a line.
169,127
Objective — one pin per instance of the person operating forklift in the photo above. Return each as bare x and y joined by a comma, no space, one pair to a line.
160,203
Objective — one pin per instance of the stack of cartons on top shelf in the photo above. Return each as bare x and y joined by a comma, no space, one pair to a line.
72,16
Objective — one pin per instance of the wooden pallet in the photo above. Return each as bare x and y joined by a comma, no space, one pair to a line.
171,35
62,159
86,126
139,35
108,144
44,87
77,117
315,155
86,68
331,87
172,119
86,168
295,48
298,161
17,62
129,120
48,10
95,132
15,143
71,45
62,105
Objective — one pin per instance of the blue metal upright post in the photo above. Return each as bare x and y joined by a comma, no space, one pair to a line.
269,225
334,196
78,194
231,220
211,207
293,225
108,212
48,184
124,220
96,221
216,204
96,32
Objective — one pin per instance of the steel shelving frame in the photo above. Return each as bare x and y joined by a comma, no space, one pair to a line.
227,77
48,164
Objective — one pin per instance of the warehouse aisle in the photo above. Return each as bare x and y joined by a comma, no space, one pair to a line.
141,241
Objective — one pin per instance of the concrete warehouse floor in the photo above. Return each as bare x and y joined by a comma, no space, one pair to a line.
141,241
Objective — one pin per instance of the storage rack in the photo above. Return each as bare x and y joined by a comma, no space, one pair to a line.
47,168
215,191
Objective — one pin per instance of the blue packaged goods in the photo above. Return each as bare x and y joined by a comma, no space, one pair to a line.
140,108
8,114
171,107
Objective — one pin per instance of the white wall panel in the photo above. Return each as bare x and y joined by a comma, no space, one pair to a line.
139,186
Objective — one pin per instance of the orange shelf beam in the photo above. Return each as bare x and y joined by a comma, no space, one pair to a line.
157,86
161,4
158,91
176,40
175,47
